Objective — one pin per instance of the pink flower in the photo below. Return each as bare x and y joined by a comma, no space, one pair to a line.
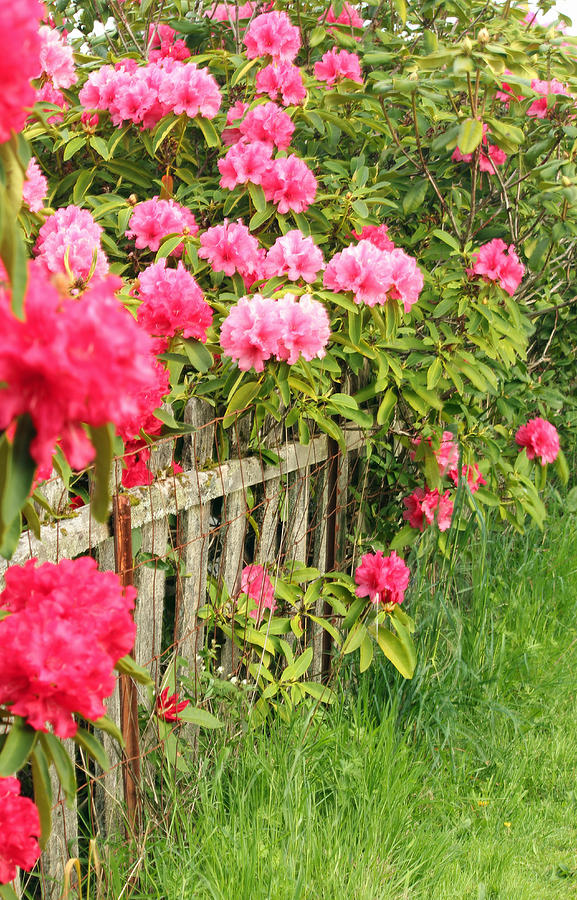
19,831
268,123
506,94
256,584
235,114
540,108
272,34
447,455
143,401
283,82
172,302
69,624
491,262
69,243
304,328
290,184
540,438
244,163
168,708
186,89
135,472
227,12
336,65
377,235
422,506
471,474
374,275
35,187
250,332
163,43
154,219
19,62
230,248
49,94
348,16
64,363
56,59
383,579
294,255
487,160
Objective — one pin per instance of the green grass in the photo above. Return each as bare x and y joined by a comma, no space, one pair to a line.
460,784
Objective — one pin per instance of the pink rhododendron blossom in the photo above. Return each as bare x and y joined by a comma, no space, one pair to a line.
304,328
244,163
272,34
471,474
163,43
373,275
172,302
228,12
423,506
192,91
256,584
348,16
64,363
338,64
69,243
154,219
35,187
231,248
377,235
268,123
19,831
283,82
290,184
19,62
540,439
135,472
169,707
540,108
233,116
506,94
295,256
69,624
447,454
383,579
250,332
493,264
489,155
144,400
48,94
56,58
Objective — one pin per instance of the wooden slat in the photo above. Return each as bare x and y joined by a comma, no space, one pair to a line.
231,563
63,840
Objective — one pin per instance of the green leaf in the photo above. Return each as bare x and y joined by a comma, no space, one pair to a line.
200,717
386,407
199,356
395,650
169,244
257,197
18,474
63,765
15,258
355,638
404,538
240,401
82,184
328,426
163,129
434,373
103,441
42,792
355,609
209,131
128,666
401,8
72,146
367,650
109,727
415,196
17,747
346,406
320,692
93,747
562,467
7,892
470,135
100,145
242,71
299,667
328,626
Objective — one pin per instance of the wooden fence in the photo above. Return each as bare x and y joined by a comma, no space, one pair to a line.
211,521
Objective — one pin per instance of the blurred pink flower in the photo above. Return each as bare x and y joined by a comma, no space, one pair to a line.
540,439
272,34
383,579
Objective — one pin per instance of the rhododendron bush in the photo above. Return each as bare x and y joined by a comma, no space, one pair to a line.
341,216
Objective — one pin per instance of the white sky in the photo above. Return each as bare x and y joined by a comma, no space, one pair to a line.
568,8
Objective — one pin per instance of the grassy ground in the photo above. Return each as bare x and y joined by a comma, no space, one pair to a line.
460,784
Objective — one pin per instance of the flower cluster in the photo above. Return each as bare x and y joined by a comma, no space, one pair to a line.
282,82
423,506
541,107
348,16
35,187
383,579
336,65
71,362
494,264
169,707
143,95
540,439
154,219
471,474
256,584
272,34
231,248
56,59
377,235
172,302
19,831
69,624
69,244
259,328
268,123
163,44
489,155
447,455
289,183
374,275
245,163
19,62
295,256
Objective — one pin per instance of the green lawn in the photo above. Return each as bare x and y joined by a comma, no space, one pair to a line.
461,784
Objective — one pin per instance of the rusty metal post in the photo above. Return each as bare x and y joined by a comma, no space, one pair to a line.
128,697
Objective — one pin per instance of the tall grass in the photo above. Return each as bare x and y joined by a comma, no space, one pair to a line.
459,784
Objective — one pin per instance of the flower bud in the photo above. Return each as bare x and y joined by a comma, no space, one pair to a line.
467,46
483,37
